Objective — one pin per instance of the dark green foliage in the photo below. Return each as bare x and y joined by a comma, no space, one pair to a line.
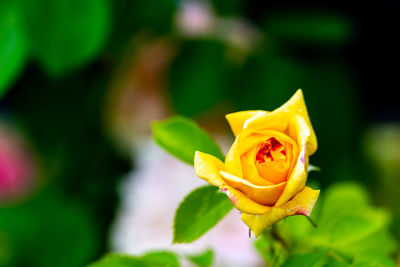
13,44
47,228
349,228
198,77
66,34
62,120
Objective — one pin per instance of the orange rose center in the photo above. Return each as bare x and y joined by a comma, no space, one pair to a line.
271,150
273,160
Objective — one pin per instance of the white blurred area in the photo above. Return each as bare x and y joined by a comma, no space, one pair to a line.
150,197
151,193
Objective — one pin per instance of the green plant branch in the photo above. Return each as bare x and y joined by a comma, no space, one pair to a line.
277,237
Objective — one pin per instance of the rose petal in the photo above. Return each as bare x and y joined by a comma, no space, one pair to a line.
208,167
245,142
301,204
274,171
243,203
298,177
237,119
264,195
250,171
240,160
241,144
279,119
300,131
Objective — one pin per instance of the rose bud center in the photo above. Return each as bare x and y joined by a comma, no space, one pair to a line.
273,160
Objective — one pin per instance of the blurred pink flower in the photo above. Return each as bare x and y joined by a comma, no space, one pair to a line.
195,18
16,166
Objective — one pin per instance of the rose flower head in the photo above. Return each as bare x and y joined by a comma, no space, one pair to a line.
265,172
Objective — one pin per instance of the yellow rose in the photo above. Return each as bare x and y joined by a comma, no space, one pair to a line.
265,171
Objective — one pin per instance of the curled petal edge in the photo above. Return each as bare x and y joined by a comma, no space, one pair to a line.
237,119
279,119
301,204
208,168
264,195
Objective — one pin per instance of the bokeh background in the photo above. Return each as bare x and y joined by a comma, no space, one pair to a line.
81,82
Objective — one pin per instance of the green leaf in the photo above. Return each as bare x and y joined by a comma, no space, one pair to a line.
380,241
118,260
151,259
317,259
348,224
373,259
335,263
13,44
66,34
182,137
345,196
161,258
356,226
204,259
199,212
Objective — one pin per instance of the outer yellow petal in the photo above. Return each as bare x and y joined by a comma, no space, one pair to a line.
243,203
301,204
208,167
279,119
232,160
297,178
264,195
237,119
299,130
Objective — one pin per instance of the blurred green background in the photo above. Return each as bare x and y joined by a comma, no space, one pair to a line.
74,73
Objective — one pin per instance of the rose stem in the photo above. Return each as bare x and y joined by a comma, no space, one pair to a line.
275,235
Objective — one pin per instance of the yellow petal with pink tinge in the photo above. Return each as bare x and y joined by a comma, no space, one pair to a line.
301,204
265,171
264,195
208,168
242,202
